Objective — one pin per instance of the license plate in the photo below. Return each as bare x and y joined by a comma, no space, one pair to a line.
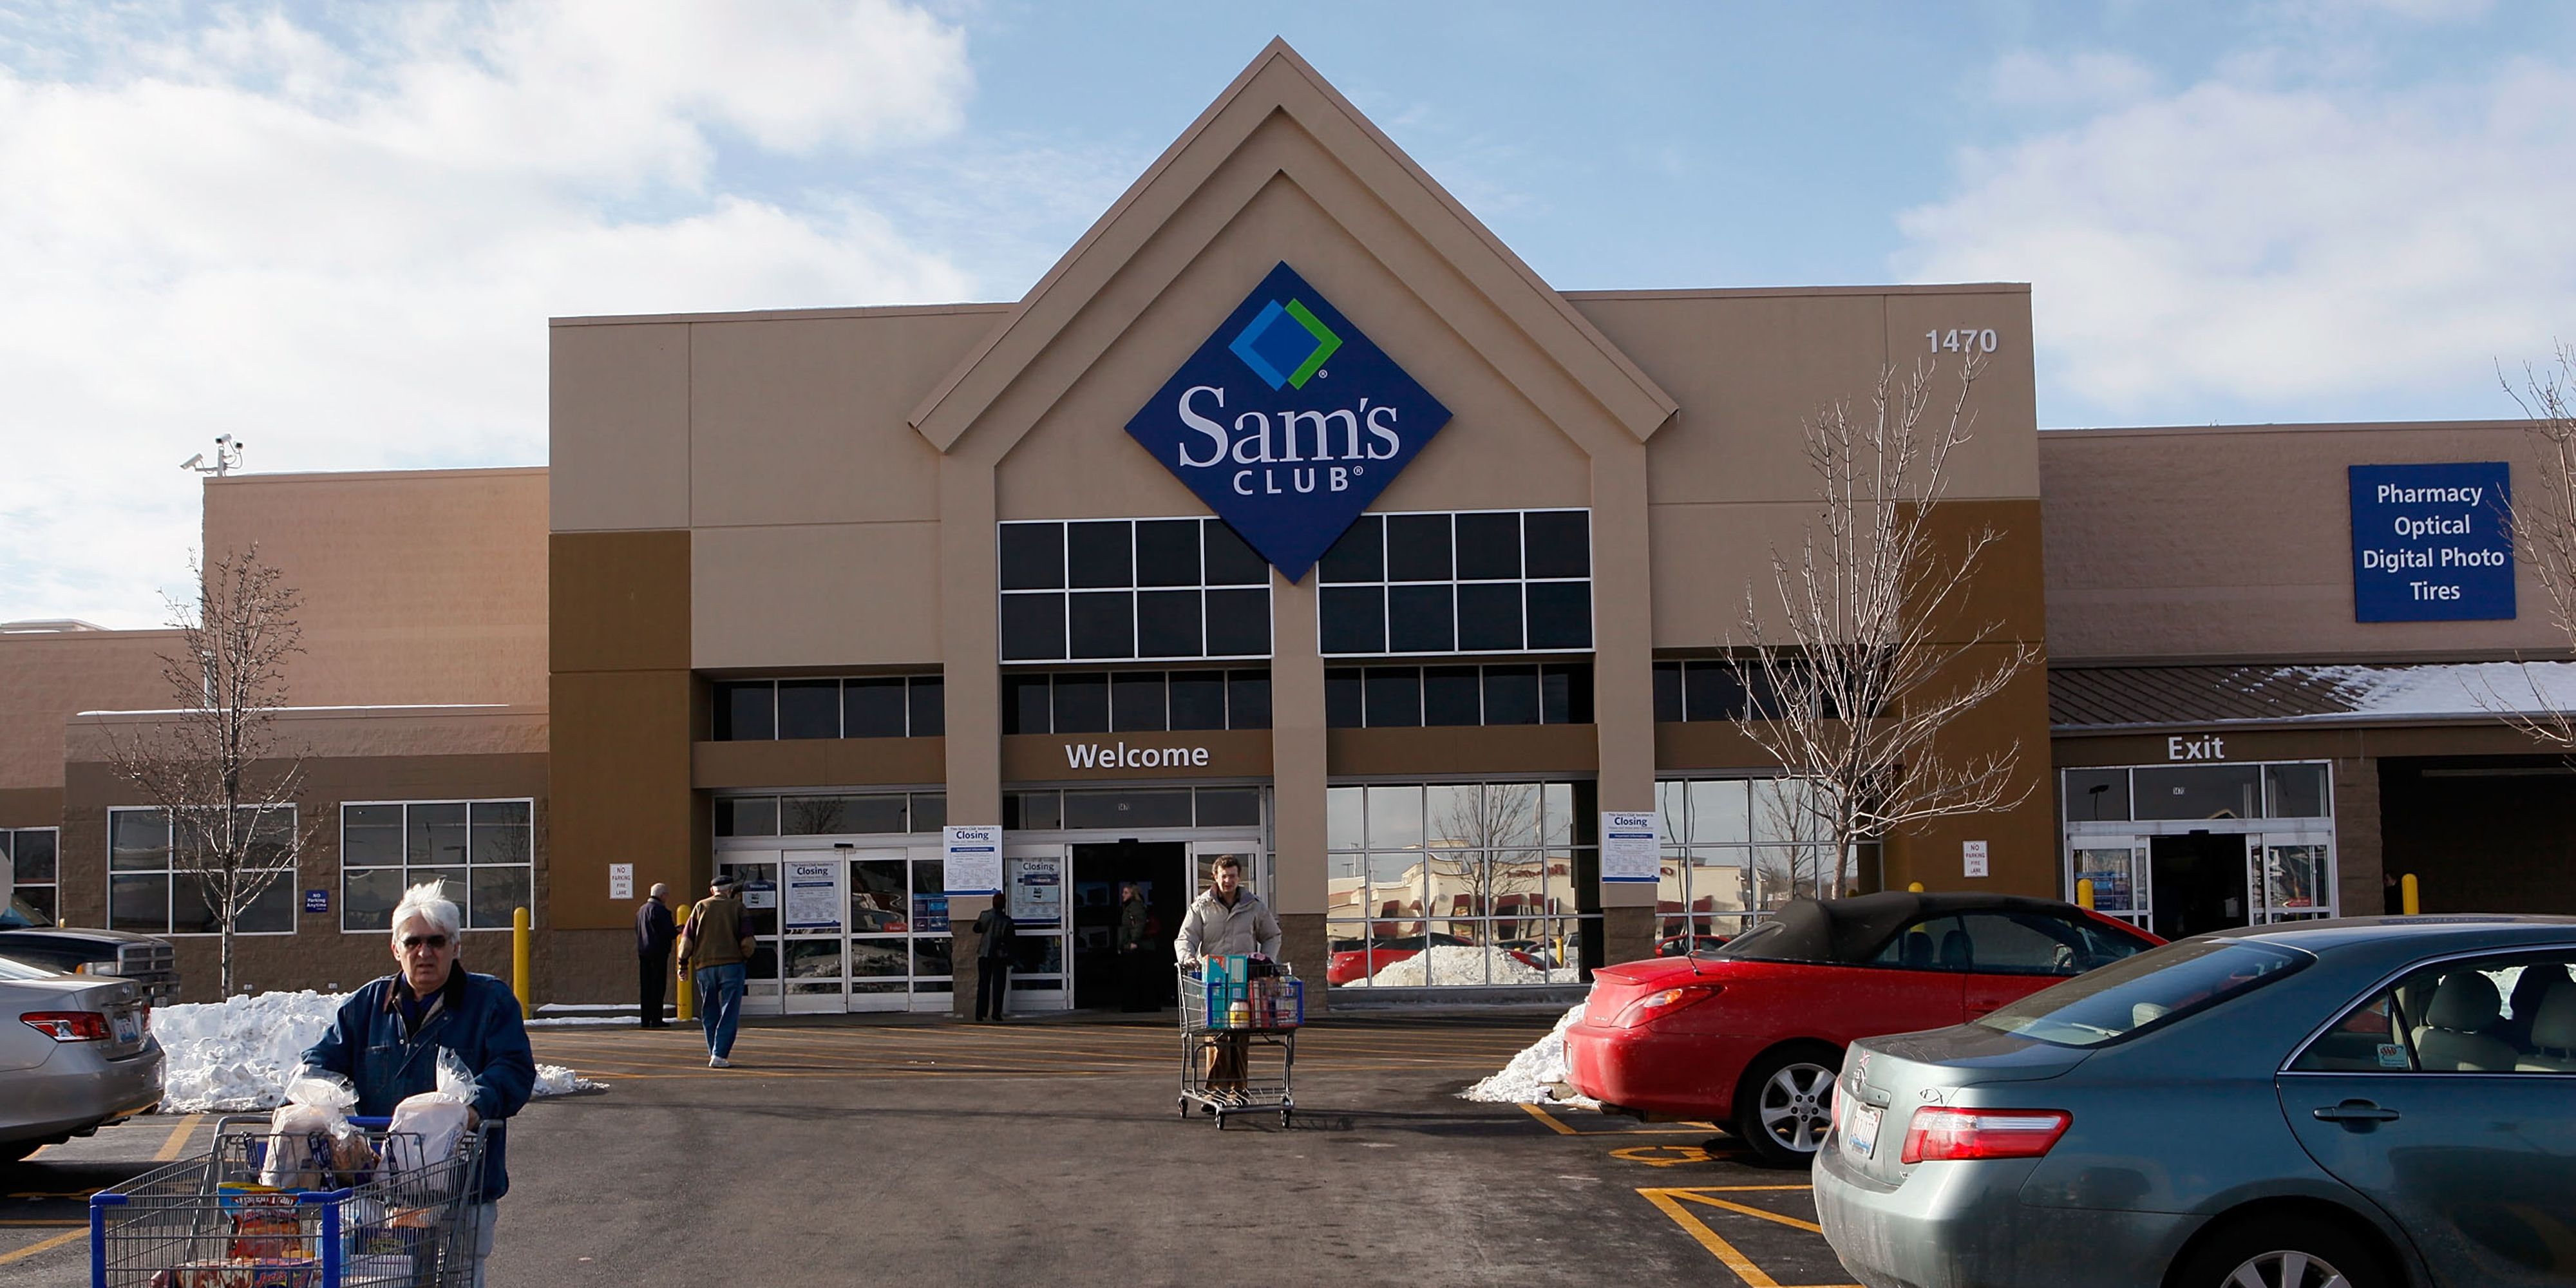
129,1028
1860,1135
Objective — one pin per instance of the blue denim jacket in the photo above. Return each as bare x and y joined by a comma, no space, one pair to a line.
477,1018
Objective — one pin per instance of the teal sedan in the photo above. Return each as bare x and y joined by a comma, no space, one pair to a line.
2359,1103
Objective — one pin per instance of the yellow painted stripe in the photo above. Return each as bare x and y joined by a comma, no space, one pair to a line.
1791,1221
1550,1119
1717,1247
43,1246
172,1148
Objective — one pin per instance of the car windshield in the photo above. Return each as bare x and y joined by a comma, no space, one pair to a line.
22,915
2136,994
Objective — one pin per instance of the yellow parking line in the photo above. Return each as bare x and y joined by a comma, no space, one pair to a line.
178,1142
1550,1119
46,1245
1671,1202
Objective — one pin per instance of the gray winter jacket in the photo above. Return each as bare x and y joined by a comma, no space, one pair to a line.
1213,930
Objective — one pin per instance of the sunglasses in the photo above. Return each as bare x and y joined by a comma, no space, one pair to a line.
410,942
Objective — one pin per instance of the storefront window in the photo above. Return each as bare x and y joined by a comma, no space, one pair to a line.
1121,589
2199,792
2294,791
1459,884
2096,795
29,851
1404,697
1733,849
875,813
156,890
485,852
1135,701
874,707
1481,582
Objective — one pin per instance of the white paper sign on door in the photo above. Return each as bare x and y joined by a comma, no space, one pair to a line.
971,859
621,880
1037,890
814,895
1973,854
1629,847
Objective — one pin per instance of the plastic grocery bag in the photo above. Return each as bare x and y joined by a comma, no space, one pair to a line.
426,1128
311,1145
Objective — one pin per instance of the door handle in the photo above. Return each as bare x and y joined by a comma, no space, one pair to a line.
2356,1111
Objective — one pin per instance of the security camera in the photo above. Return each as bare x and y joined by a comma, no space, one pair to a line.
193,461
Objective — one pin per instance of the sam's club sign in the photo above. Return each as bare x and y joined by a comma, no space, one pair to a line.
2430,542
1288,421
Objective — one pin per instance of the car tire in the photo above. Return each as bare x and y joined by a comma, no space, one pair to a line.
2284,1251
1785,1104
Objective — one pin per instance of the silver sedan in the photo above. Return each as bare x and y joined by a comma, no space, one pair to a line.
2336,1104
76,1053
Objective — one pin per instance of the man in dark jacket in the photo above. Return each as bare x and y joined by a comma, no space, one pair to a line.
654,931
387,1037
999,935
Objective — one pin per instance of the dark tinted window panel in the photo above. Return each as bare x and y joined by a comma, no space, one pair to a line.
1082,703
1034,811
1099,554
1230,562
1127,809
1354,619
1489,547
1032,628
1344,706
1566,689
1417,547
1394,697
929,700
1136,702
809,709
1421,619
873,708
1452,695
1558,543
35,851
1560,614
1025,705
2097,795
1032,556
929,811
1102,624
1247,698
1360,555
1167,552
1198,699
1167,623
1711,691
1238,623
1229,807
747,816
744,712
1511,695
1668,692
1489,618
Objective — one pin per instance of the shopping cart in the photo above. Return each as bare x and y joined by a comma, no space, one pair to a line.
208,1222
1222,1024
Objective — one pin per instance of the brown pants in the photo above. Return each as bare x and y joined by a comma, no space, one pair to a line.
1228,1055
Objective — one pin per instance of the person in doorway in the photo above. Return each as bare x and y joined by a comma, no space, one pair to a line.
2392,896
385,1040
654,933
1227,920
1135,965
997,937
715,945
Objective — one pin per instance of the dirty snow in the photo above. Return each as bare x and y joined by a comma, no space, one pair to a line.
1453,965
2466,688
236,1054
1528,1079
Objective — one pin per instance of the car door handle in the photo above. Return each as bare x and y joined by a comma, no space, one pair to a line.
2356,1111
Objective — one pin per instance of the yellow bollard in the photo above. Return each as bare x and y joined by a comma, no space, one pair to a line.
1914,886
2414,902
686,992
2084,893
520,942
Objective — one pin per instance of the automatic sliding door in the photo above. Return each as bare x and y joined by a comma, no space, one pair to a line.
758,871
1030,875
880,941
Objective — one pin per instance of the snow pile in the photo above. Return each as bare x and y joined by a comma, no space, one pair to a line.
1529,1078
1452,965
236,1054
2455,689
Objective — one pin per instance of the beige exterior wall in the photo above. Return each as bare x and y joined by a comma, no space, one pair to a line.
2235,542
423,586
45,678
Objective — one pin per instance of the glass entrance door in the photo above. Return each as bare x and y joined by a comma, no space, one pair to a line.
758,871
2117,867
813,954
1033,878
2295,880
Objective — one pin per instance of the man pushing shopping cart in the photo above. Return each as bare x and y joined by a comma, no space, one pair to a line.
1226,920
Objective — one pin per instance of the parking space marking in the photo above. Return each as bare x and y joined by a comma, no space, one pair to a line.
1675,1202
45,1245
172,1148
1565,1128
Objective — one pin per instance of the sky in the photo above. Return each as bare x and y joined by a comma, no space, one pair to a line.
336,231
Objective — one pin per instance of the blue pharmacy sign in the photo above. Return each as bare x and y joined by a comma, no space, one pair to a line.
1288,421
2430,542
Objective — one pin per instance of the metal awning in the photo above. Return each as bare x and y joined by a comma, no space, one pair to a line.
2107,698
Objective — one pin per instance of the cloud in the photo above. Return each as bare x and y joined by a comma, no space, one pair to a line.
2027,79
2284,247
341,244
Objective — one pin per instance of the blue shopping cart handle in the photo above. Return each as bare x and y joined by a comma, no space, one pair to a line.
106,1199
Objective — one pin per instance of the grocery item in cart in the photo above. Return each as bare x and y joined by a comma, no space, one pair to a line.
242,1272
264,1222
311,1145
426,1128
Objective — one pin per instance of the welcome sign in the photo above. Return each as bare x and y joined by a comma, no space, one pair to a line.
1288,421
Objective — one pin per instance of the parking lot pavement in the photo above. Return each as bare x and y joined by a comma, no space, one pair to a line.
1054,1152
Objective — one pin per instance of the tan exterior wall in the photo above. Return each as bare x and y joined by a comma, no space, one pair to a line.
47,677
2235,542
625,717
423,586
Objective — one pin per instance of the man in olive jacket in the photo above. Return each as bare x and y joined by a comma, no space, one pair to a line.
715,945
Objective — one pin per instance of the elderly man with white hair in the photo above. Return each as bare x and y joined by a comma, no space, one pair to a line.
387,1037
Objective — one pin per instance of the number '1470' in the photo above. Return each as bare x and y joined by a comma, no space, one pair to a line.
1961,340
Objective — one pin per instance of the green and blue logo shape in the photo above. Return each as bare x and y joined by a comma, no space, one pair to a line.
1288,421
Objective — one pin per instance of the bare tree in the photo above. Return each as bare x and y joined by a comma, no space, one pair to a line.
211,765
2542,519
1869,662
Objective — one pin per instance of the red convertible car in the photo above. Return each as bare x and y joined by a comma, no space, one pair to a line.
1751,1034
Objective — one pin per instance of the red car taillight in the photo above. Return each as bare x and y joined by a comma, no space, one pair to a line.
1656,1005
68,1026
1983,1133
